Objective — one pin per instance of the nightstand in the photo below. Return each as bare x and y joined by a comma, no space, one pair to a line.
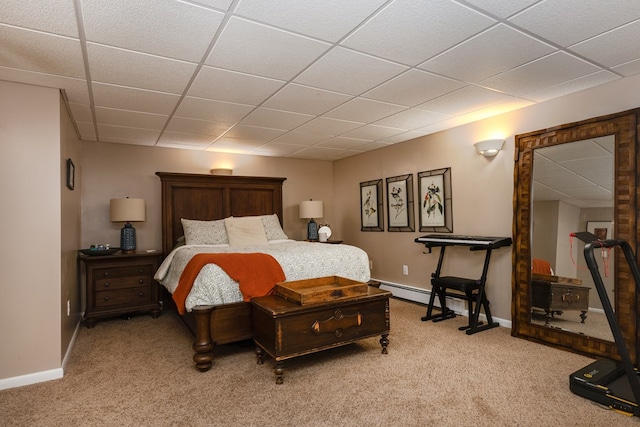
120,284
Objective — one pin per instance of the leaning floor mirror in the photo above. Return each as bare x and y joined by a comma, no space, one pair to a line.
571,178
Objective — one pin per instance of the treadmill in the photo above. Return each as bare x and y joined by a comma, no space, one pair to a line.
608,382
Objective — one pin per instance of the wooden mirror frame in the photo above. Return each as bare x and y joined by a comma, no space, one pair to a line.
624,127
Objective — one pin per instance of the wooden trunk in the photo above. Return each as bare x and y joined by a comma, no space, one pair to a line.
319,290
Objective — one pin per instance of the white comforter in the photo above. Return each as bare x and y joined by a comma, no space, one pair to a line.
299,260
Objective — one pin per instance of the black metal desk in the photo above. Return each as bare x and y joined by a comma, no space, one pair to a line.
473,289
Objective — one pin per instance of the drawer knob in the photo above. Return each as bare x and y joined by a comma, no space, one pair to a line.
140,271
141,281
106,273
106,298
106,284
141,294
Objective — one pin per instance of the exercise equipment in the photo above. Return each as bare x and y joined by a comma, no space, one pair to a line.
608,382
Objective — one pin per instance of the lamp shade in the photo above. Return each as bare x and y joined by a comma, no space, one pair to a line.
490,147
127,210
311,209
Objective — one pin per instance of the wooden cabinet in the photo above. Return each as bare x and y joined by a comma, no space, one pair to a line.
120,284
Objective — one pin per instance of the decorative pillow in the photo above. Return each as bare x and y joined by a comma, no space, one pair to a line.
245,231
204,232
272,227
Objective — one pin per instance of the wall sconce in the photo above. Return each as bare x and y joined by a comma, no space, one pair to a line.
310,209
221,171
127,210
490,147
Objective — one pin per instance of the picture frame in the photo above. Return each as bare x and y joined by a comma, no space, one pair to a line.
603,230
71,174
371,206
435,206
400,215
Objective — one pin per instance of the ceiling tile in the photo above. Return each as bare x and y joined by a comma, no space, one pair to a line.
364,110
374,133
253,133
343,143
76,89
415,30
548,71
502,8
300,138
412,118
184,140
218,4
56,17
200,127
231,145
628,69
328,127
571,86
267,117
161,27
469,98
218,111
602,49
35,51
87,131
346,71
402,137
278,150
81,112
257,49
307,100
412,88
110,116
142,70
230,86
494,51
327,20
126,135
587,18
124,98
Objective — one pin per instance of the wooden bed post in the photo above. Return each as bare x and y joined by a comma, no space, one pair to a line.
203,345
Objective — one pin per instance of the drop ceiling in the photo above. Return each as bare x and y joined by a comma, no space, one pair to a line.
307,78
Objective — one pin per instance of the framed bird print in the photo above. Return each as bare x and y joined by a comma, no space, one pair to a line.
371,211
400,203
435,201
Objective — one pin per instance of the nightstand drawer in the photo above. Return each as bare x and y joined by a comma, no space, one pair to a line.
112,273
122,282
129,297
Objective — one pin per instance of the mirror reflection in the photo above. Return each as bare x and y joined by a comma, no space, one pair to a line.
573,190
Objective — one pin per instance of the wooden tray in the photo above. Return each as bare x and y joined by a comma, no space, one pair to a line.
322,289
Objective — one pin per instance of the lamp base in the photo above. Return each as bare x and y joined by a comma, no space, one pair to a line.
312,230
128,239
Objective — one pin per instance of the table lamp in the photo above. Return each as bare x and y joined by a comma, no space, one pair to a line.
311,209
127,210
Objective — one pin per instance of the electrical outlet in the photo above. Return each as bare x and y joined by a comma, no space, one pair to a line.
405,270
68,308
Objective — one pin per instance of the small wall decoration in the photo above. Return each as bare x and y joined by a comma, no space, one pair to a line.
371,211
400,203
435,201
71,174
603,230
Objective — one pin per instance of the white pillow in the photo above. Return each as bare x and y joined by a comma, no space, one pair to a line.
272,227
204,232
245,231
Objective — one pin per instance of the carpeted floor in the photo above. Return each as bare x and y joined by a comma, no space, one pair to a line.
139,372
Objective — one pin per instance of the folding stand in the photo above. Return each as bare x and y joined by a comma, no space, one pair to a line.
473,291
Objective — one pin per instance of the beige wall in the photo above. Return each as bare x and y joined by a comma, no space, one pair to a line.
482,188
30,272
70,229
118,170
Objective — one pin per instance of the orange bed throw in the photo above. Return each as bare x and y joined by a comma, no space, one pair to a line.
256,273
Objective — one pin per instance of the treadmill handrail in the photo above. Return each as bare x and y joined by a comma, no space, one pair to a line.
623,351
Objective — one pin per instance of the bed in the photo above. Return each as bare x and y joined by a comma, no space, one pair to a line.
222,317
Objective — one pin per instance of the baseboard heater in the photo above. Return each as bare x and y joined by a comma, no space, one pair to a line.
422,296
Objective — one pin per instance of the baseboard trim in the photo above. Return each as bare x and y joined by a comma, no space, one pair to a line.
40,377
421,296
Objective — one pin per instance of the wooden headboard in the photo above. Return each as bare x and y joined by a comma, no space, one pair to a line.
210,197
